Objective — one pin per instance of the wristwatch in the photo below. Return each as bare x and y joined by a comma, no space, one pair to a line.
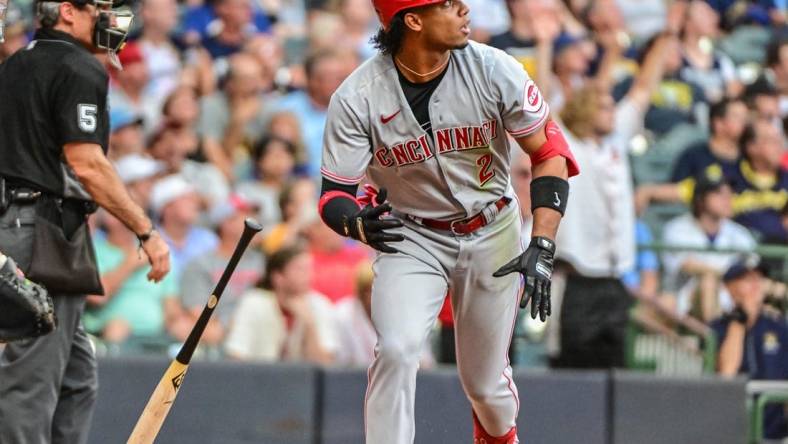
145,236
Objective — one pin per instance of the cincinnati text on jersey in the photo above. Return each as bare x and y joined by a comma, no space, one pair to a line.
447,140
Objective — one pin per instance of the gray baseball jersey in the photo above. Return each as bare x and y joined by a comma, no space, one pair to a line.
464,164
458,169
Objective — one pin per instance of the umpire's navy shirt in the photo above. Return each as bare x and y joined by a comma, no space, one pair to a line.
765,357
52,92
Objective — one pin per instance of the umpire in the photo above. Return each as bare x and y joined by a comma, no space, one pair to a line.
53,172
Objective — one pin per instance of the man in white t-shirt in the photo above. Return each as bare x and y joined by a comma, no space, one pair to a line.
285,320
709,225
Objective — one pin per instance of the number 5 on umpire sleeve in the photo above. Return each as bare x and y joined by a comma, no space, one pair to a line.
87,117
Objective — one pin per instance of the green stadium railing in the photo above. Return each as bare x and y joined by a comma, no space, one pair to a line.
759,395
690,351
765,251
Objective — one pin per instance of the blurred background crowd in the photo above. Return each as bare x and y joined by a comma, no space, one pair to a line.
677,113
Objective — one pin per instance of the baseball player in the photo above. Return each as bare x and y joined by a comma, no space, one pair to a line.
427,120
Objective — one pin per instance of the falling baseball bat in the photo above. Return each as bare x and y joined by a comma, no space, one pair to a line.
163,396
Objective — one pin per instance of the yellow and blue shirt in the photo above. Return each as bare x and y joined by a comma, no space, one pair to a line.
759,201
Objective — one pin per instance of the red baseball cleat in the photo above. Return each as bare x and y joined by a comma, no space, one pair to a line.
480,436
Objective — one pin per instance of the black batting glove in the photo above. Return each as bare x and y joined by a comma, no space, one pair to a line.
369,225
536,266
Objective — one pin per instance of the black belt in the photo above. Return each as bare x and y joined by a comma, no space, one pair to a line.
22,195
12,193
9,196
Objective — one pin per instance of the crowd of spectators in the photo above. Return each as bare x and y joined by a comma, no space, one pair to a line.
219,111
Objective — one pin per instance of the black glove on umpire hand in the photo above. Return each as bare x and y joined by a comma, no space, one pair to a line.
368,225
26,309
536,265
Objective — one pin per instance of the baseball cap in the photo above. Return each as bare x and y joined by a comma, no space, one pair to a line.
387,9
134,167
565,41
131,53
167,190
225,209
744,265
751,14
121,117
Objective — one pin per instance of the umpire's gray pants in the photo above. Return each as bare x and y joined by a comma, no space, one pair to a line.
48,384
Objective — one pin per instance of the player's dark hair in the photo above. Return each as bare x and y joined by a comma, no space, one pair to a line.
277,262
389,41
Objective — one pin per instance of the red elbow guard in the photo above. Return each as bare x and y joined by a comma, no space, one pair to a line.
556,145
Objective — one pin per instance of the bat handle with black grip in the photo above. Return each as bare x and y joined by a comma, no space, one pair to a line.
251,227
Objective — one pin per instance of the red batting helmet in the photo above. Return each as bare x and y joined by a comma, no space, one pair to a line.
387,9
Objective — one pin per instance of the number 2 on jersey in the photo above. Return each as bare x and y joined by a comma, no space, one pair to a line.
484,162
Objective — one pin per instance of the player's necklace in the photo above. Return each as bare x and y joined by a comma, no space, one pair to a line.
442,65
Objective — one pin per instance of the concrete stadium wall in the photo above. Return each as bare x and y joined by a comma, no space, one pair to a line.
654,410
238,403
227,403
443,414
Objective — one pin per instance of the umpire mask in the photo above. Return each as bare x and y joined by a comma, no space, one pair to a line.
111,29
